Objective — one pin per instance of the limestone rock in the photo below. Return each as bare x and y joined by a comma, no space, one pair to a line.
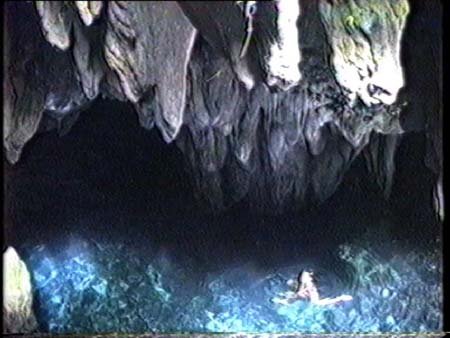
148,45
18,316
89,10
56,22
365,41
276,98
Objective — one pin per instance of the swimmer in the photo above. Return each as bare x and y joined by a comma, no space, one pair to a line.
308,291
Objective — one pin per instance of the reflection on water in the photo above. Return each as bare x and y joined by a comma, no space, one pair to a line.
90,286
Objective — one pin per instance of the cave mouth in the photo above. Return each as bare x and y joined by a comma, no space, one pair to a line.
106,220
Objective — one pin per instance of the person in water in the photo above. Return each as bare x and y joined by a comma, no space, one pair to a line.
307,290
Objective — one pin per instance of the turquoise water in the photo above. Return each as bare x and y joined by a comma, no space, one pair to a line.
92,286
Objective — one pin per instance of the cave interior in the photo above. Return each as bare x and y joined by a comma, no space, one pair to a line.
125,227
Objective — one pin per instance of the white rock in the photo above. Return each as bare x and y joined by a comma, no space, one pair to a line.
18,316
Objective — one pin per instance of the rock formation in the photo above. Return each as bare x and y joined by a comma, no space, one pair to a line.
269,100
18,316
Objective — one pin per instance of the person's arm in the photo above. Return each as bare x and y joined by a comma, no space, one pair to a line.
330,301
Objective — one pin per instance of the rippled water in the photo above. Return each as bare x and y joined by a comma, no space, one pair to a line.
93,286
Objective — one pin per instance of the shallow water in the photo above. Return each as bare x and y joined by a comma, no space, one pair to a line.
88,284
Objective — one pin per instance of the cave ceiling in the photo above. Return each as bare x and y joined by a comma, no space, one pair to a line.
271,100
